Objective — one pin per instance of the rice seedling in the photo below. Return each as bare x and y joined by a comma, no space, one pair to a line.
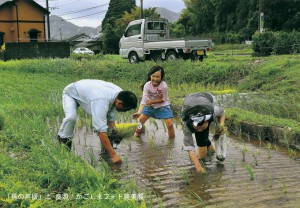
131,186
292,153
259,138
157,179
240,133
248,136
155,124
268,147
152,142
92,158
287,136
255,158
244,150
249,170
129,144
284,187
185,175
199,201
270,180
165,127
151,161
233,164
125,161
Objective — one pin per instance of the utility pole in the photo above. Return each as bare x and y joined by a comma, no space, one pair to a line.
60,34
261,18
141,13
48,20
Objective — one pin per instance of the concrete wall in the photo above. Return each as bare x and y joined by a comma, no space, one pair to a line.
36,50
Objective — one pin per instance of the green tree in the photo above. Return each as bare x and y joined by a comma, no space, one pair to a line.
282,15
134,14
110,40
116,9
115,27
218,17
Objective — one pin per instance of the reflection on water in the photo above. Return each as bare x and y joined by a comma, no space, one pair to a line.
163,170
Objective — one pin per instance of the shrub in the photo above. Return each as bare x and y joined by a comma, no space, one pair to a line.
263,43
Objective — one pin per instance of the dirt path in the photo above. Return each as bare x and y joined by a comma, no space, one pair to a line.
166,177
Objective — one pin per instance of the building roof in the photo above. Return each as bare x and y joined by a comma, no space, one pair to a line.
4,3
79,37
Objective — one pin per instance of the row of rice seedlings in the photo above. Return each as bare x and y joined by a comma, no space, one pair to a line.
271,183
271,105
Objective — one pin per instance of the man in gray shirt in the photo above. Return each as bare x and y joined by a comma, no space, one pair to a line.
99,99
198,112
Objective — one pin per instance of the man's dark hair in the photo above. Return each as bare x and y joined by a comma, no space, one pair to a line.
129,99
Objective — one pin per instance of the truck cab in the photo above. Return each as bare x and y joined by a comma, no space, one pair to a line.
138,31
149,39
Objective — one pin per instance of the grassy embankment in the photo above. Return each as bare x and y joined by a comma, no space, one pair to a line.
33,165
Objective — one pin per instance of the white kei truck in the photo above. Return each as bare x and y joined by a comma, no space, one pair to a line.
148,39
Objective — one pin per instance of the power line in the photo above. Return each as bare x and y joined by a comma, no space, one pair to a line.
78,11
87,15
69,13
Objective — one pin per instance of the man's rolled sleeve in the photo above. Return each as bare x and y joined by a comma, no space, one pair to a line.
188,138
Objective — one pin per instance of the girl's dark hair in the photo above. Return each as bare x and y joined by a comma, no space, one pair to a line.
152,71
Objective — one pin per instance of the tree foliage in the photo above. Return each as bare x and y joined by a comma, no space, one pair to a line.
237,16
115,27
225,21
116,9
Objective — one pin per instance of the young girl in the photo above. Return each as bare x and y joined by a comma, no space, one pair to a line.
155,102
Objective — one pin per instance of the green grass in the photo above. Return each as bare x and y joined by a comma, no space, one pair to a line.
30,91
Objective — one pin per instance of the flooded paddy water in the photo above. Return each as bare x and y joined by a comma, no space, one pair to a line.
252,175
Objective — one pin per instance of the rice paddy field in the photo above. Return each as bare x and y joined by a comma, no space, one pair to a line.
258,94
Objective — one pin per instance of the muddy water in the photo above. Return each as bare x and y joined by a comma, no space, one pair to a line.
166,177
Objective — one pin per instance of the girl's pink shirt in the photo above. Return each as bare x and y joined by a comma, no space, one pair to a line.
153,93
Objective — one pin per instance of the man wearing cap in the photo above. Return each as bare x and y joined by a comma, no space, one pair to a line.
199,110
101,100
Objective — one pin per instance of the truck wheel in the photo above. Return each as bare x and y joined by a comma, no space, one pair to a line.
156,57
197,58
171,56
133,58
201,58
